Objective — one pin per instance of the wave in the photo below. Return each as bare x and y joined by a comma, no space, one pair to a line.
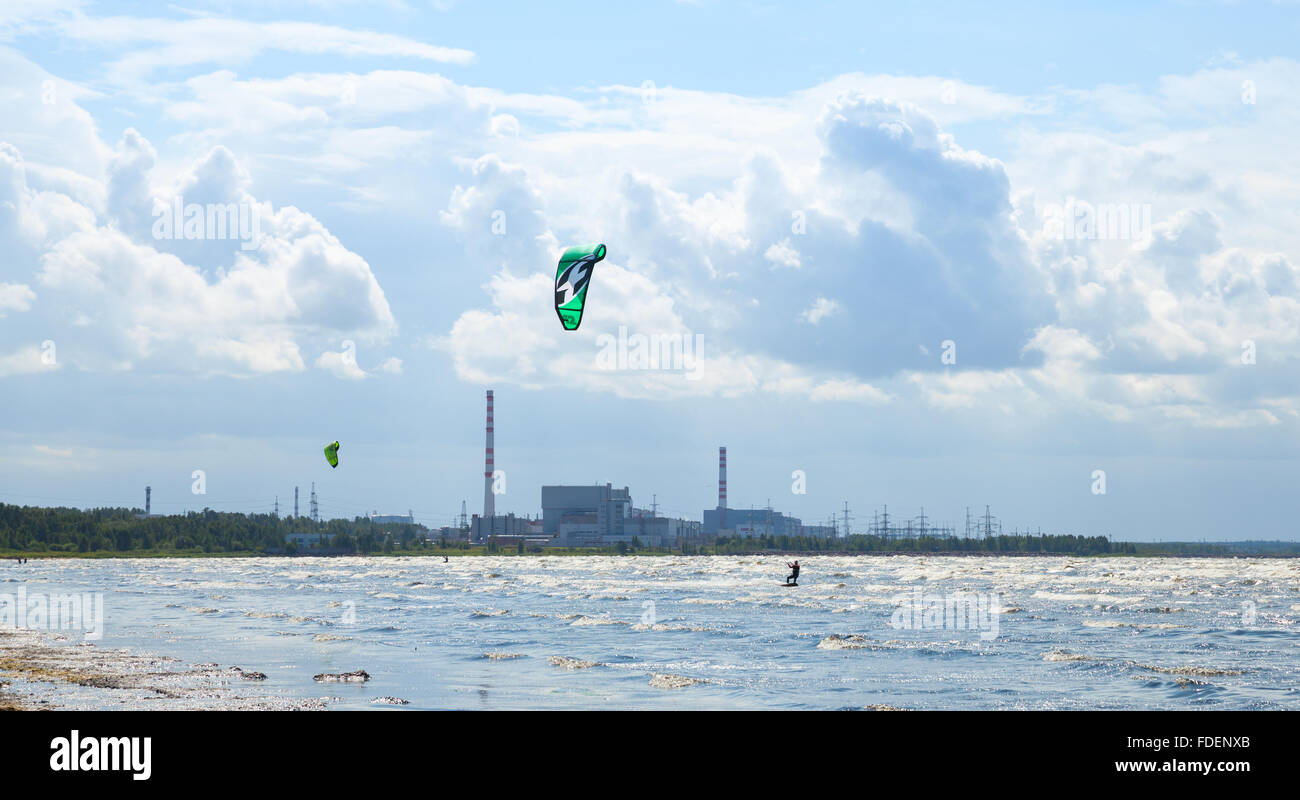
1200,672
1065,655
851,642
883,707
663,626
571,663
661,681
585,621
1114,623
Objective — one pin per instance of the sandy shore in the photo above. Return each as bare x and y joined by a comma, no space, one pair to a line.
42,671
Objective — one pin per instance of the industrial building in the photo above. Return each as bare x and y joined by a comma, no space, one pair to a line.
585,516
308,539
653,530
482,528
148,502
490,524
751,522
392,519
599,516
755,521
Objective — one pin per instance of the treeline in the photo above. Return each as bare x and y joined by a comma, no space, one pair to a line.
34,530
29,529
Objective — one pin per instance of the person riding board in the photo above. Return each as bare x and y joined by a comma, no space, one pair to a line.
793,578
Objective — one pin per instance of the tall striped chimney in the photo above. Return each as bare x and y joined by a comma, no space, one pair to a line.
489,504
722,488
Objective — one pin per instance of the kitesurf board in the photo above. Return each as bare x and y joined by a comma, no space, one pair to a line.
787,584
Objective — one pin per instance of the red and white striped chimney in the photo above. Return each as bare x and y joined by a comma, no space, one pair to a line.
489,504
722,488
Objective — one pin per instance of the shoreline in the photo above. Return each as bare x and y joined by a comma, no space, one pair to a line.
557,553
43,671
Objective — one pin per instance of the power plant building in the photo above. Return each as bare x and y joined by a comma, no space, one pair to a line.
600,515
653,530
392,519
578,516
482,528
751,522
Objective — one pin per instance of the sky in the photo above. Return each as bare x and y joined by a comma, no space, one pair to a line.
1037,256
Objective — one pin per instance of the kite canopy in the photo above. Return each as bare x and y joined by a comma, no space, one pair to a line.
332,453
572,277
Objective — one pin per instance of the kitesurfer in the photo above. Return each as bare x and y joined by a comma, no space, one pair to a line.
793,578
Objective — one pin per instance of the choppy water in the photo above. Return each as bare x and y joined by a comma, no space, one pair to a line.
700,632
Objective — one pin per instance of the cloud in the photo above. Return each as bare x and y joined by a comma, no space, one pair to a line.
650,287
56,452
44,122
956,255
341,365
848,391
15,297
25,361
723,214
127,298
168,43
820,309
782,254
344,365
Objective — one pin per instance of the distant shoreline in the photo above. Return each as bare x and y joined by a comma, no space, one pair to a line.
6,559
37,532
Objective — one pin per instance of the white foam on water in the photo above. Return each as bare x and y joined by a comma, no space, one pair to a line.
850,642
661,681
1065,655
571,663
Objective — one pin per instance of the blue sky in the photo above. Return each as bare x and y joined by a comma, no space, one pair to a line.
855,209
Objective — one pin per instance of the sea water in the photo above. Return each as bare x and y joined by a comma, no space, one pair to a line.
563,632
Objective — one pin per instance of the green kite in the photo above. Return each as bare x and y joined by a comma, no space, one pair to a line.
332,453
572,277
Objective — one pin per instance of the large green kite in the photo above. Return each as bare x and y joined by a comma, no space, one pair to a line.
332,453
572,277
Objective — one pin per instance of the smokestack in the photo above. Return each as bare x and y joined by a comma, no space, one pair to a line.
489,504
722,488
295,502
148,490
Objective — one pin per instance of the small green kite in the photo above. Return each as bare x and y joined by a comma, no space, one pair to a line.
332,454
572,277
